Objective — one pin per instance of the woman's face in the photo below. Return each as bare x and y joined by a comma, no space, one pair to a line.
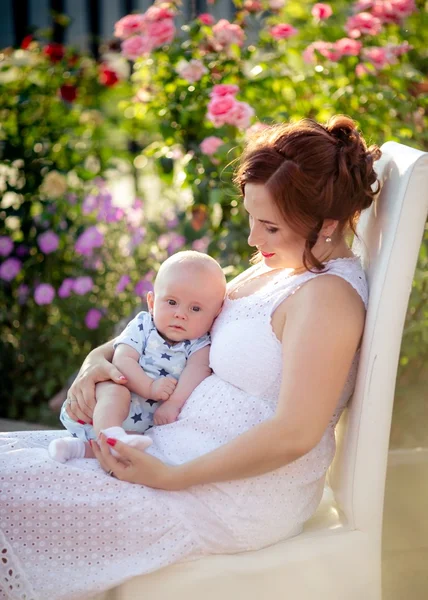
279,245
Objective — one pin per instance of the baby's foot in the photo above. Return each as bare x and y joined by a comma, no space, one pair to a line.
141,442
64,449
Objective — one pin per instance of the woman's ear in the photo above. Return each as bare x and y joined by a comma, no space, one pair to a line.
150,301
328,227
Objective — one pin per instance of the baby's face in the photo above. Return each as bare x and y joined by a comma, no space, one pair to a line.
185,302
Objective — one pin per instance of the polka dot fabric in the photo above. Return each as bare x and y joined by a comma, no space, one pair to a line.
70,531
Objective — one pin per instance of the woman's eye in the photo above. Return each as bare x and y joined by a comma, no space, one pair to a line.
172,302
196,309
271,230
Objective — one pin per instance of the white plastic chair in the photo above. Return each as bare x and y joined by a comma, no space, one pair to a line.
338,554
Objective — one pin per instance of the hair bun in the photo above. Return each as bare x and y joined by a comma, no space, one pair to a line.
344,129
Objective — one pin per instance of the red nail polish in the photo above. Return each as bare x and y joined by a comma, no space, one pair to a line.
90,443
91,422
81,422
111,441
122,378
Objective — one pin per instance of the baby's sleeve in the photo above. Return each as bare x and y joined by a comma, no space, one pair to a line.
135,333
195,345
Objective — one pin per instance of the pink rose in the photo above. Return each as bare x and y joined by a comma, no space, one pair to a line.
192,71
363,24
361,70
221,109
123,282
326,49
253,5
348,47
282,31
92,318
276,4
66,288
136,46
161,32
128,26
321,11
158,13
206,19
363,5
83,285
226,34
210,145
44,294
242,115
48,242
255,129
393,11
6,245
224,89
10,269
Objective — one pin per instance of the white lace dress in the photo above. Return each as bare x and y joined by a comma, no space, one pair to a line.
70,531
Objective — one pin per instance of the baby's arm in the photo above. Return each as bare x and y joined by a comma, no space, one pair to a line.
126,360
196,370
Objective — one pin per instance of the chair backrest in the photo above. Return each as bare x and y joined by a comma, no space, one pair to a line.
390,233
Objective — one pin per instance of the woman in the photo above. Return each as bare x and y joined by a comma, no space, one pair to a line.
259,432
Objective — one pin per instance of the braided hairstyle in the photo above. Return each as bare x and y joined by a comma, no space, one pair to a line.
313,172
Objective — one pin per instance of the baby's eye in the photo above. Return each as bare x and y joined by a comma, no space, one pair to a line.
171,302
196,308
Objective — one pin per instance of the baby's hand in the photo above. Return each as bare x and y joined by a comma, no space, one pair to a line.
162,388
165,413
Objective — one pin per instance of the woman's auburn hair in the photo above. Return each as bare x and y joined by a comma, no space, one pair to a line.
313,172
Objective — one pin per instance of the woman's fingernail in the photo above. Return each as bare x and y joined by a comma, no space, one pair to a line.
122,378
91,422
81,422
111,441
90,443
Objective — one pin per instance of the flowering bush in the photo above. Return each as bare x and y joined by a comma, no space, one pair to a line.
173,109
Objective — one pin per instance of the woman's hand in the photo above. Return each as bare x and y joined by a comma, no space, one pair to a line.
134,465
81,395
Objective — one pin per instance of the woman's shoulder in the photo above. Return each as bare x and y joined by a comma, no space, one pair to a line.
347,273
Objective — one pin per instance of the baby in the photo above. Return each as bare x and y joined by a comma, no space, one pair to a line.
163,353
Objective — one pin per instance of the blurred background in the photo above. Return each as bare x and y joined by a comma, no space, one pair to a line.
118,140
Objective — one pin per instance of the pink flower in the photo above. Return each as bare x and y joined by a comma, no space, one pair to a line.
88,240
161,32
44,294
142,287
282,31
66,288
242,115
159,13
128,26
255,129
226,34
253,5
10,269
136,46
202,244
363,23
348,47
326,49
361,70
393,11
206,19
6,245
83,285
223,89
321,11
123,282
210,145
192,71
48,242
221,110
363,5
276,4
92,318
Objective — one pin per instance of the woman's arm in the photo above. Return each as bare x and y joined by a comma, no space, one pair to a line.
324,324
96,367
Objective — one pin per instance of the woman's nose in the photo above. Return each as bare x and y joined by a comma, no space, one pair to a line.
254,237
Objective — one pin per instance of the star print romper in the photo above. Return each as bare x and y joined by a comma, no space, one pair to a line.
158,358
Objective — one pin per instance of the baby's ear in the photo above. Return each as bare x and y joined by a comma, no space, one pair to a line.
150,301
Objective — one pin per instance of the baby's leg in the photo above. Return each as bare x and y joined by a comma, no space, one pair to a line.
66,448
111,410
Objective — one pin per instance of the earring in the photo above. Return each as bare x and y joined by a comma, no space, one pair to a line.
328,239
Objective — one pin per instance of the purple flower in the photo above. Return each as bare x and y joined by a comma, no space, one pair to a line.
92,318
23,291
48,242
71,198
201,245
10,269
123,282
44,294
142,287
88,240
176,242
136,238
6,245
22,250
66,288
83,285
89,204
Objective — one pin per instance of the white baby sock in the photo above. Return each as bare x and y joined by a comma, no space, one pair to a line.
141,442
64,449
